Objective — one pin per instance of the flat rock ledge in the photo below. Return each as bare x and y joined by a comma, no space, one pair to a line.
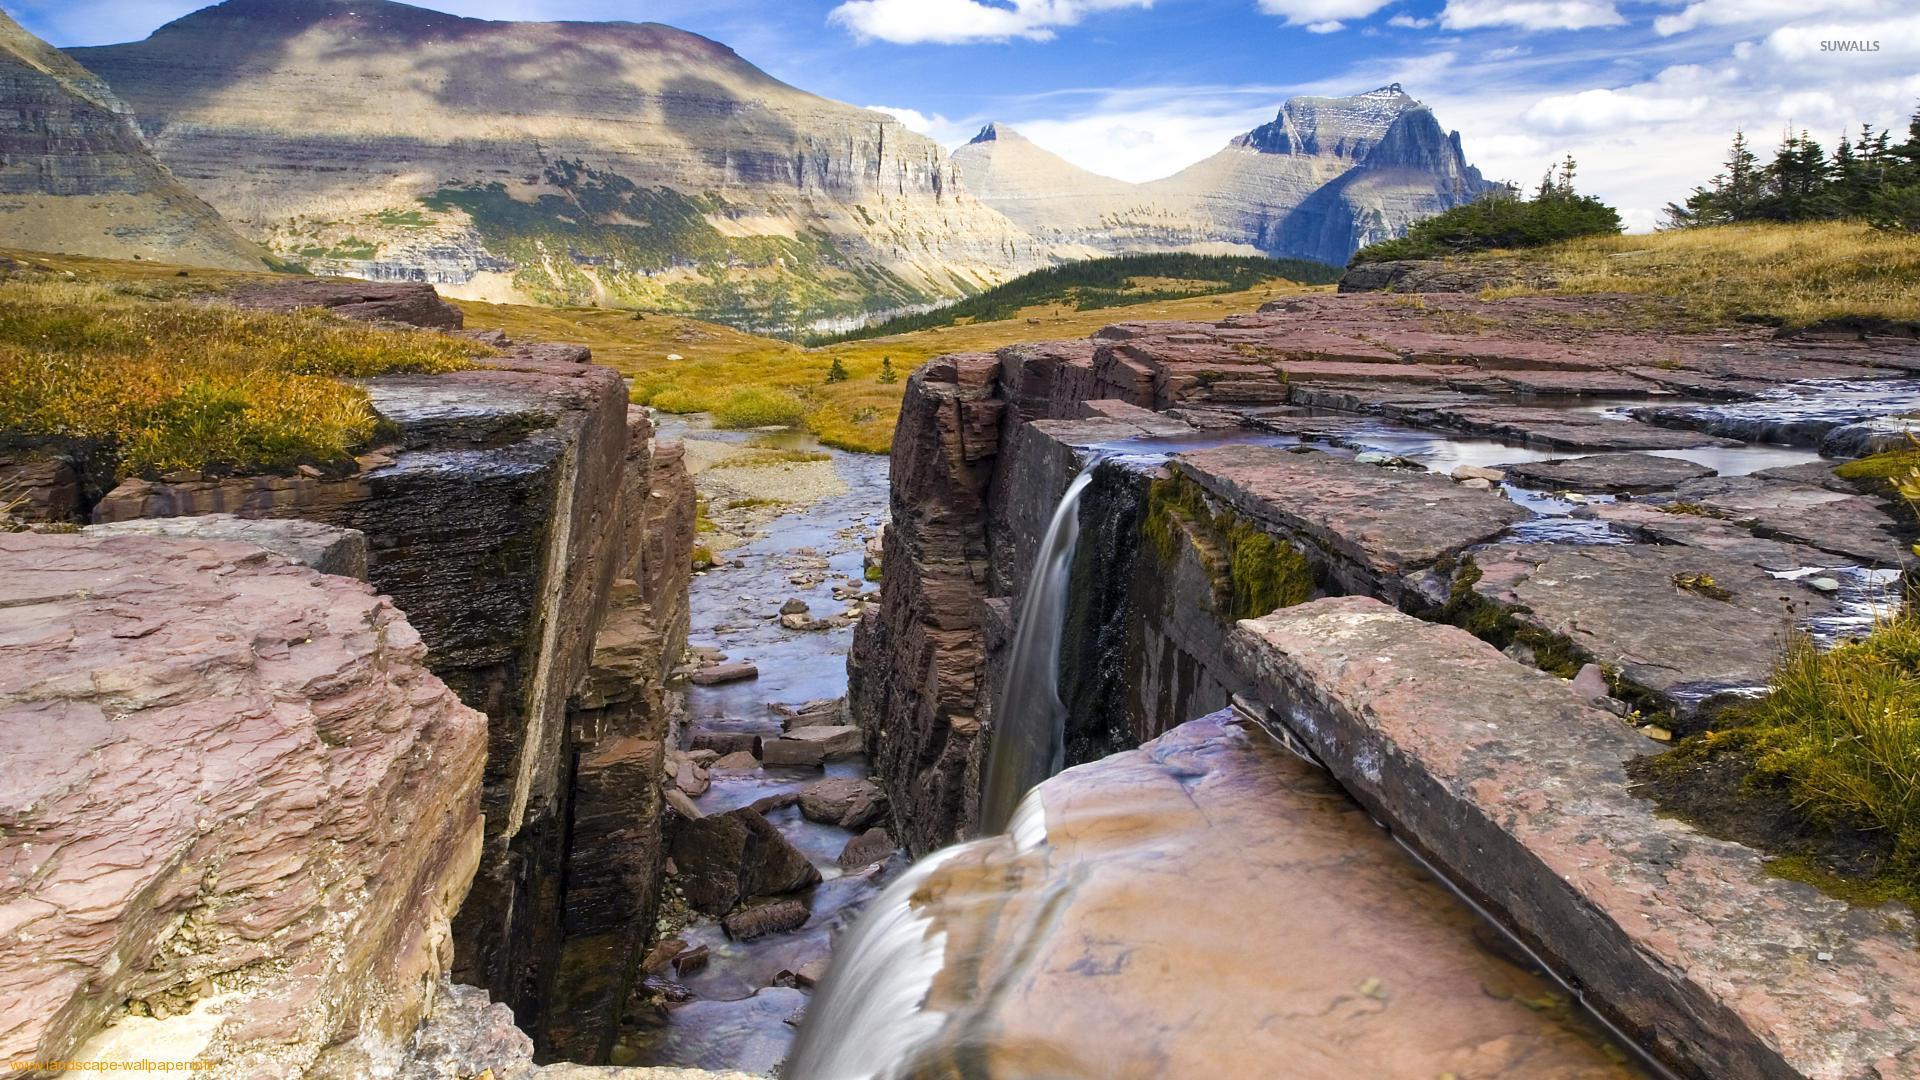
1518,789
326,548
236,811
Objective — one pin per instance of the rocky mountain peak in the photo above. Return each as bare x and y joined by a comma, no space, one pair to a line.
993,132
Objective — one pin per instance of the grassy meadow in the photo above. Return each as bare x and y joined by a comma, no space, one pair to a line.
1792,275
133,364
681,365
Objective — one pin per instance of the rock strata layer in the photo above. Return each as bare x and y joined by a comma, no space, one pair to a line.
238,812
76,176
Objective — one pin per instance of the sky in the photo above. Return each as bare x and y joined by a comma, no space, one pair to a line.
1645,94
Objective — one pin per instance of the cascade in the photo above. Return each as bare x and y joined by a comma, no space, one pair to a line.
1029,722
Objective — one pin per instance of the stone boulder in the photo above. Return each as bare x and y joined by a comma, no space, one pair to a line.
407,303
843,801
726,858
236,811
813,745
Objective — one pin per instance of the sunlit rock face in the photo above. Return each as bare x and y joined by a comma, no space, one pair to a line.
1205,906
236,811
75,176
564,162
1326,177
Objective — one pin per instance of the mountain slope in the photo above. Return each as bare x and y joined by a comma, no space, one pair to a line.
1325,178
75,176
554,162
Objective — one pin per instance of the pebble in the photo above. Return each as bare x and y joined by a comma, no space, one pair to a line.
1824,584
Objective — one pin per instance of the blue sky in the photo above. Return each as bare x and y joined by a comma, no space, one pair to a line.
1645,93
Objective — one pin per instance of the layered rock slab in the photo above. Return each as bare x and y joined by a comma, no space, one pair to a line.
1679,624
1505,777
230,789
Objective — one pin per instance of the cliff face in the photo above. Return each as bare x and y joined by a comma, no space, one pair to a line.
539,541
76,177
576,162
1326,177
233,796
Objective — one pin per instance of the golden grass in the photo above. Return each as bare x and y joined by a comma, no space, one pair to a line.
161,382
1794,275
750,381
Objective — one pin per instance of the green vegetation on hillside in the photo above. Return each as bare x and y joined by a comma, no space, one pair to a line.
1502,220
604,240
1867,179
156,381
1106,283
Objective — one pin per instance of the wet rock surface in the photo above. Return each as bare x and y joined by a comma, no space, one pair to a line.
1506,776
238,811
1612,474
1305,936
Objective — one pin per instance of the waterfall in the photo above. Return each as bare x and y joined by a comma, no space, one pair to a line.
1029,721
869,1017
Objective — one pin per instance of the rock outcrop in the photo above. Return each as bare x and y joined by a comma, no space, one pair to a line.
539,540
553,162
1323,395
1325,178
76,177
236,811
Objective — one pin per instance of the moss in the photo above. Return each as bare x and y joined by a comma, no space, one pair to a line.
1701,584
1887,466
873,572
1496,625
1691,509
1254,572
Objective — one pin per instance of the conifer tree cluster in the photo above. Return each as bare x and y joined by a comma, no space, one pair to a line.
1503,219
1870,178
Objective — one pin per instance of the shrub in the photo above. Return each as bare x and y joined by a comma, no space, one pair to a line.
758,406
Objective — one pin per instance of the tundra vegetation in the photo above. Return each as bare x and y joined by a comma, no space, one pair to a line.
154,379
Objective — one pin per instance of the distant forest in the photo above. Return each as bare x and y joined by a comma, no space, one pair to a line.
1870,178
1105,283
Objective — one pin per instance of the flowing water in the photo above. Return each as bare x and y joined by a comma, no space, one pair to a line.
1029,721
1206,906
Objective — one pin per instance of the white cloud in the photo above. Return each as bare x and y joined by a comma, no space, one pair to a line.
1530,14
1602,109
1746,12
1322,16
1408,22
948,133
955,22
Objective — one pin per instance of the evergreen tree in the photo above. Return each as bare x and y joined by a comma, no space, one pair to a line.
1868,178
886,370
838,372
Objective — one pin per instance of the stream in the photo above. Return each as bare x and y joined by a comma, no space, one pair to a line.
739,1011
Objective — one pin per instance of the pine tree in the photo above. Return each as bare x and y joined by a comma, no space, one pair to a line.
838,372
886,370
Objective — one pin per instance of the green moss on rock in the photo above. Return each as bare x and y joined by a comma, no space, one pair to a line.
1254,572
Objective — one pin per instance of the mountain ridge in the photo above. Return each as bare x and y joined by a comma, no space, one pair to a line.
631,164
76,177
1325,177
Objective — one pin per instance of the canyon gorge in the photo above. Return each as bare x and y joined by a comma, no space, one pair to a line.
494,752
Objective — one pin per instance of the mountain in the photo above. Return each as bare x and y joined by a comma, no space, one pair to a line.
1325,178
561,162
75,176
